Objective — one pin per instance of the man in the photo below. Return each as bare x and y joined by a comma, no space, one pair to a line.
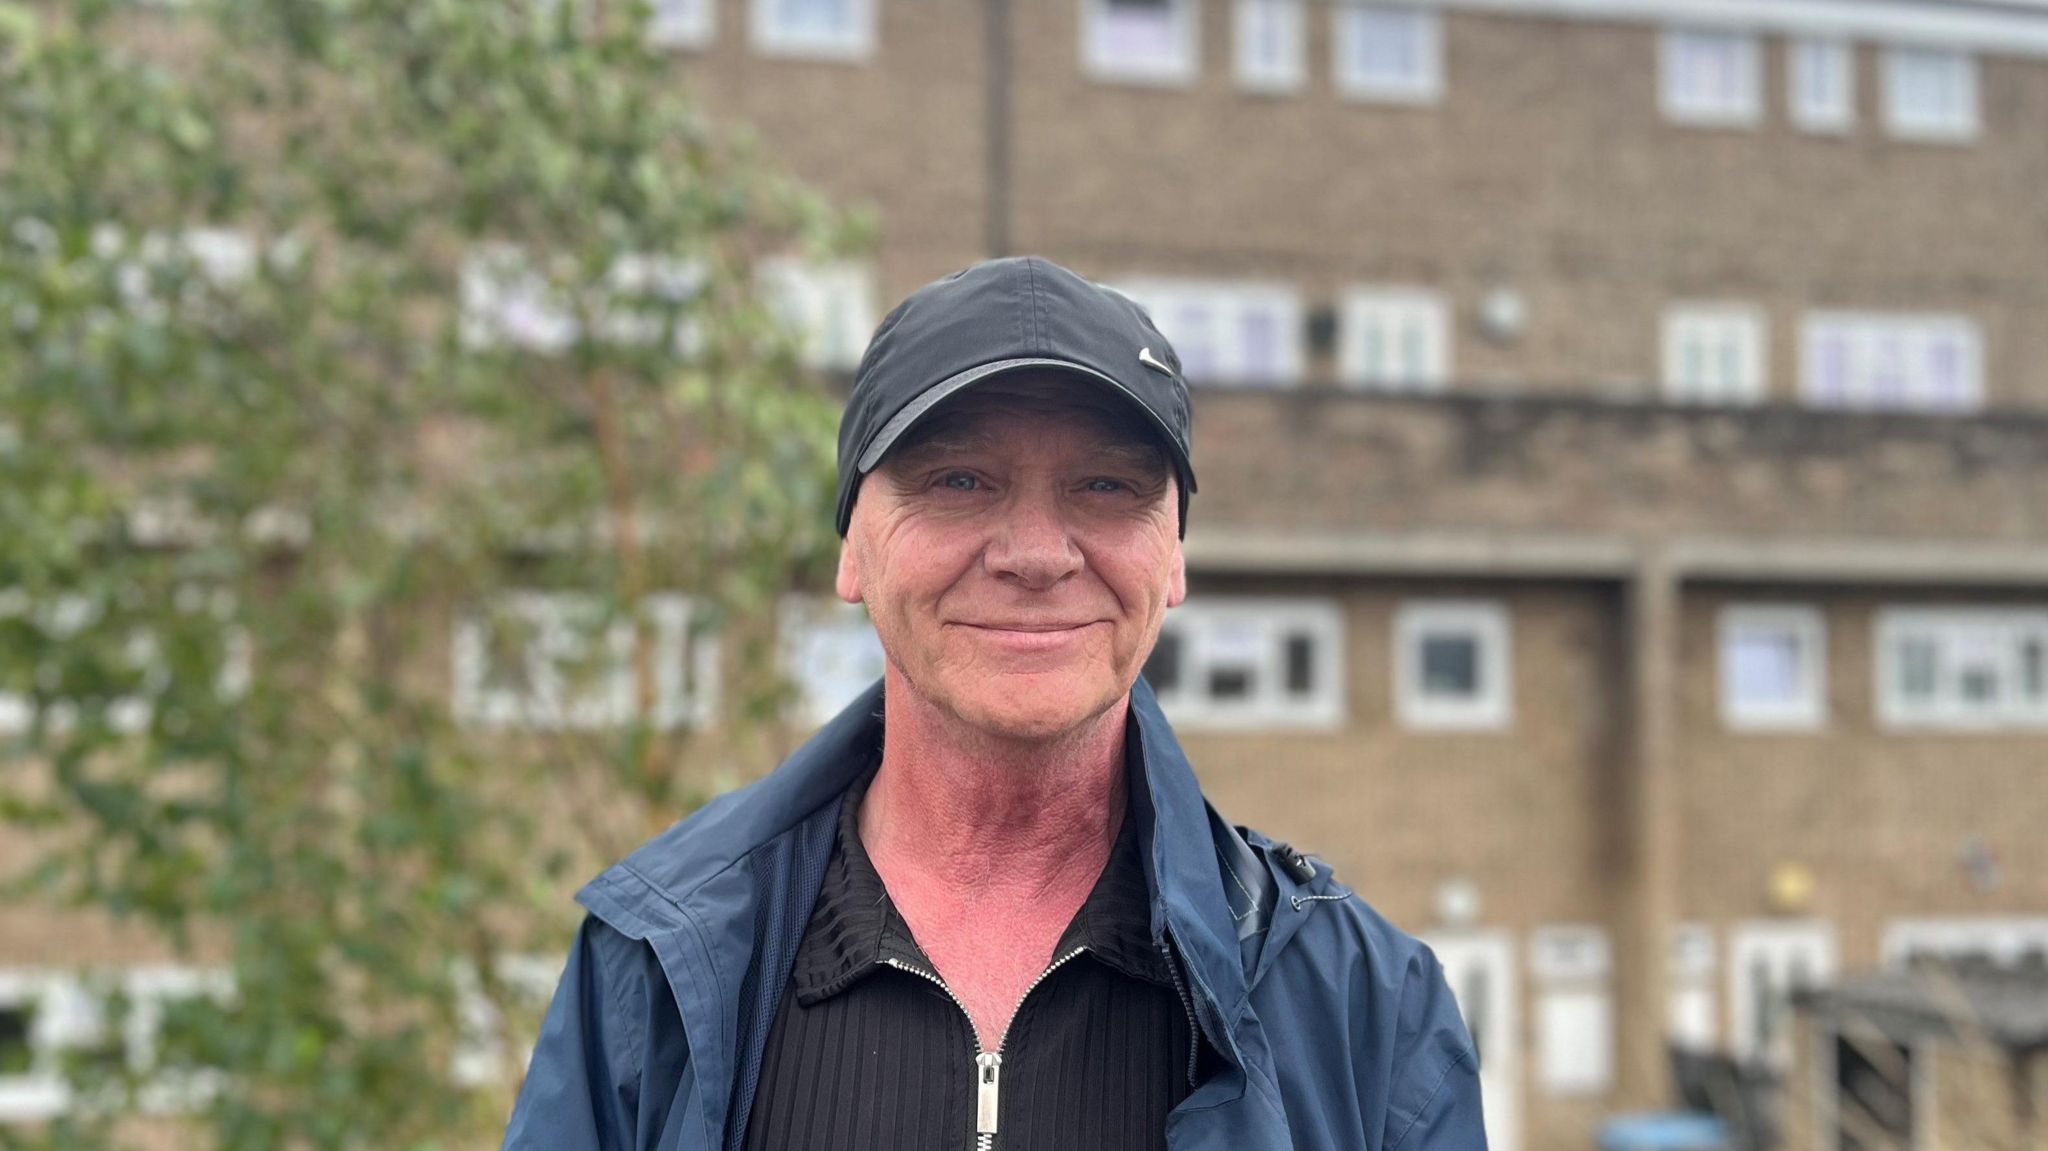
987,905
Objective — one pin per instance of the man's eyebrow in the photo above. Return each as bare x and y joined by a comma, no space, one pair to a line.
943,442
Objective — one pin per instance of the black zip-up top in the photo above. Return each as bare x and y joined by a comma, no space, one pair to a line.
869,1050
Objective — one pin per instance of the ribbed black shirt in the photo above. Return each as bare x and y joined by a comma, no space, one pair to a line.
869,1052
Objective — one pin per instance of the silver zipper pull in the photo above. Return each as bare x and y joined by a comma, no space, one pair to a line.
986,1067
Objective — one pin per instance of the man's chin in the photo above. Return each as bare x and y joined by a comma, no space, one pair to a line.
1022,713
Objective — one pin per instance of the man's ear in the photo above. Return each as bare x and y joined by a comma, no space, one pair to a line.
847,581
1177,580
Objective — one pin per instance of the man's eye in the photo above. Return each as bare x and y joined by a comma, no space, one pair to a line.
1106,485
960,481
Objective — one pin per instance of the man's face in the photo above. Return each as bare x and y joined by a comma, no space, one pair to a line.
1018,555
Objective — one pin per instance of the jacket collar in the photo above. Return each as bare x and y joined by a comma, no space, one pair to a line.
687,894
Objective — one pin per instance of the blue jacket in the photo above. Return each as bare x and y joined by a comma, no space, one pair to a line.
1337,1028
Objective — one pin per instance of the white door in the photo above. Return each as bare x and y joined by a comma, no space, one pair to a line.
1766,960
1480,967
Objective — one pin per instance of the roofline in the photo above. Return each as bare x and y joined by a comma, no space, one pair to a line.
1993,27
1234,550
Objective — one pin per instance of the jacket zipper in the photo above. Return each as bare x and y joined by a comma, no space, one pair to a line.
988,1065
1187,1005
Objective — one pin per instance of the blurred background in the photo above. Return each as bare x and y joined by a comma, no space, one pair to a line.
1622,548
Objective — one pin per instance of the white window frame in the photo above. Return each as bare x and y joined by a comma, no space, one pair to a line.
130,715
682,23
1907,123
1682,105
1781,944
829,305
507,301
1362,307
856,42
1289,22
1835,111
1232,301
685,667
1692,1010
65,1016
806,621
1275,618
1745,326
1490,624
1808,710
1099,61
2003,630
1424,86
1864,331
2004,937
1571,966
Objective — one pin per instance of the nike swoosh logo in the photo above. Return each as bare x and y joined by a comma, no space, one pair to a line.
1145,357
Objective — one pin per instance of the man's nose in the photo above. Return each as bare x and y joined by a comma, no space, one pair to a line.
1033,544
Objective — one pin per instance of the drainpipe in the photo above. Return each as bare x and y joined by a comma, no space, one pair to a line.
996,132
1651,894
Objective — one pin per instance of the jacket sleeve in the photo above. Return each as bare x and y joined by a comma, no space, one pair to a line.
610,1038
1435,1104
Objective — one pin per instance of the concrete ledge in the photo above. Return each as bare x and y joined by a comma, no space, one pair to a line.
1223,550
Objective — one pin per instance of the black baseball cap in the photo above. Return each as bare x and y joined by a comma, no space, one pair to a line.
997,317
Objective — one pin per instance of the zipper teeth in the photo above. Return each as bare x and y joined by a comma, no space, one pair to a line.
986,1140
973,1033
1194,1028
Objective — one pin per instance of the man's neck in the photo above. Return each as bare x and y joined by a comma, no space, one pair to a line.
991,820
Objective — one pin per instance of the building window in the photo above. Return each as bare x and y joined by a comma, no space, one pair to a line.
1773,668
1452,665
508,301
833,29
1930,94
1394,338
1226,333
558,660
42,1017
681,23
1963,668
1388,52
1822,84
1250,663
1150,41
829,306
1269,44
1571,967
1893,362
141,663
1714,354
1711,77
831,654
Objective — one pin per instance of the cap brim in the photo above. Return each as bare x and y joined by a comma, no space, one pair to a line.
938,393
923,404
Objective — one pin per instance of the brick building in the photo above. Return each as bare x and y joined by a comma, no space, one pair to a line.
1621,548
1623,541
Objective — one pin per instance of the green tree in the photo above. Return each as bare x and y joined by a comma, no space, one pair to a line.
325,324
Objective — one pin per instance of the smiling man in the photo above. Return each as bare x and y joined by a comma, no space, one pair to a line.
987,906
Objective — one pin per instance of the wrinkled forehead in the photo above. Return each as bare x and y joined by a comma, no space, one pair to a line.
984,414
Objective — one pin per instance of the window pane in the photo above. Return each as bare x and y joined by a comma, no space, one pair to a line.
1919,664
1162,669
17,1052
1139,31
2034,669
1230,682
1766,668
1300,664
1450,665
819,17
